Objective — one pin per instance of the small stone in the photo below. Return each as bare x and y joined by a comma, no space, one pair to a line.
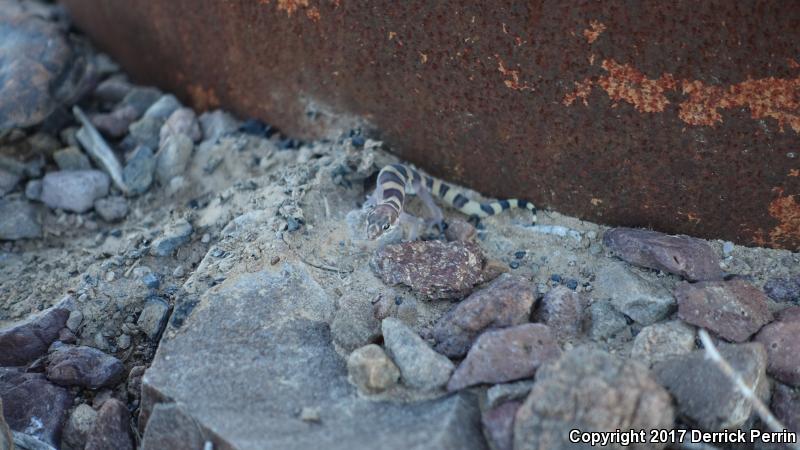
145,132
498,425
111,209
153,317
27,340
151,280
181,121
116,123
520,254
33,190
555,278
111,429
206,238
72,158
783,347
163,108
112,90
138,172
686,256
727,248
506,392
110,276
43,143
74,191
134,386
661,341
606,321
505,302
785,405
8,181
173,157
179,271
632,295
70,365
19,219
33,405
704,394
404,309
216,124
174,236
563,311
67,336
124,342
78,426
420,366
460,230
141,98
784,289
733,309
74,320
310,414
508,354
371,370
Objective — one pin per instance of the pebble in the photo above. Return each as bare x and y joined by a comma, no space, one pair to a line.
498,425
134,386
110,276
310,414
181,121
153,317
460,230
606,322
563,311
138,172
206,238
74,191
111,209
141,98
572,284
33,190
371,370
175,235
506,302
507,354
216,124
733,310
785,404
780,338
420,366
151,280
8,181
661,341
19,219
179,271
404,309
145,131
173,157
112,90
112,429
727,248
506,392
520,254
70,365
78,426
29,339
74,320
72,158
643,301
514,265
124,342
116,123
555,278
163,107
784,289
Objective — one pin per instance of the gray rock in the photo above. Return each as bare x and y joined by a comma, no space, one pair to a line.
112,90
134,386
74,320
282,361
632,295
460,230
34,406
404,308
507,354
173,157
116,123
24,342
145,131
140,98
175,235
588,389
420,366
6,441
77,428
138,172
371,370
111,429
19,219
785,289
661,341
124,342
354,324
498,425
33,190
563,310
72,158
506,392
504,303
163,108
785,404
606,321
98,149
74,190
783,347
216,124
43,143
70,365
181,121
153,317
111,209
8,181
704,395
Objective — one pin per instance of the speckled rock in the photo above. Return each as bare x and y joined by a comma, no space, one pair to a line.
139,170
78,426
371,370
75,190
174,235
498,425
785,405
33,405
29,339
460,230
641,300
780,339
704,395
434,269
686,256
181,121
734,309
563,310
111,209
111,430
19,219
505,302
70,365
589,389
606,321
153,317
420,366
172,157
506,354
784,289
661,341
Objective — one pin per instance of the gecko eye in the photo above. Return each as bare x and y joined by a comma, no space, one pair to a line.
386,226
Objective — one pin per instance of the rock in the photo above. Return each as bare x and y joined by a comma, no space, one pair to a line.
34,406
112,90
506,354
140,98
785,405
19,219
434,269
175,235
216,124
784,289
686,256
153,317
498,425
124,342
783,347
24,342
460,230
71,158
70,365
138,172
371,370
116,123
606,321
588,389
354,325
661,341
134,386
145,131
43,143
404,308
98,149
420,366
506,392
733,309
111,209
173,157
181,121
505,302
282,361
563,310
8,181
6,441
74,320
77,428
67,336
33,190
163,108
632,295
74,191
704,395
111,430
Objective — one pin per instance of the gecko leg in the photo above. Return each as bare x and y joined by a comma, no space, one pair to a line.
416,224
436,218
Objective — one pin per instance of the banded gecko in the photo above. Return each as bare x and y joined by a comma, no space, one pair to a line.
395,181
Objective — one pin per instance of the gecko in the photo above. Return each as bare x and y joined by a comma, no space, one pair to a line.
396,181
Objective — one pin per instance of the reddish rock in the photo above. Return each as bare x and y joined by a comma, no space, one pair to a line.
733,309
505,302
70,365
505,355
686,256
780,338
786,406
115,124
460,230
28,340
29,399
111,430
498,425
434,269
562,310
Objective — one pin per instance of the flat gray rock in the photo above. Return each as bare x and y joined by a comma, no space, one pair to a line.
19,219
29,339
420,366
74,190
266,335
641,300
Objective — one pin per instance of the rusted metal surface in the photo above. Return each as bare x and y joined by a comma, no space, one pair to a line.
682,116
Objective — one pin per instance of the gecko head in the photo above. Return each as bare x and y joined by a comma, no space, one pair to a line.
380,220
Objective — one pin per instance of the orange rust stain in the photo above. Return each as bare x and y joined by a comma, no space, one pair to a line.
794,172
596,201
786,210
513,82
625,83
292,6
793,64
582,90
594,31
203,98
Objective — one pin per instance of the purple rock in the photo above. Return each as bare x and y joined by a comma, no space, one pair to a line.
786,406
498,425
562,310
34,406
111,430
28,340
70,365
780,338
